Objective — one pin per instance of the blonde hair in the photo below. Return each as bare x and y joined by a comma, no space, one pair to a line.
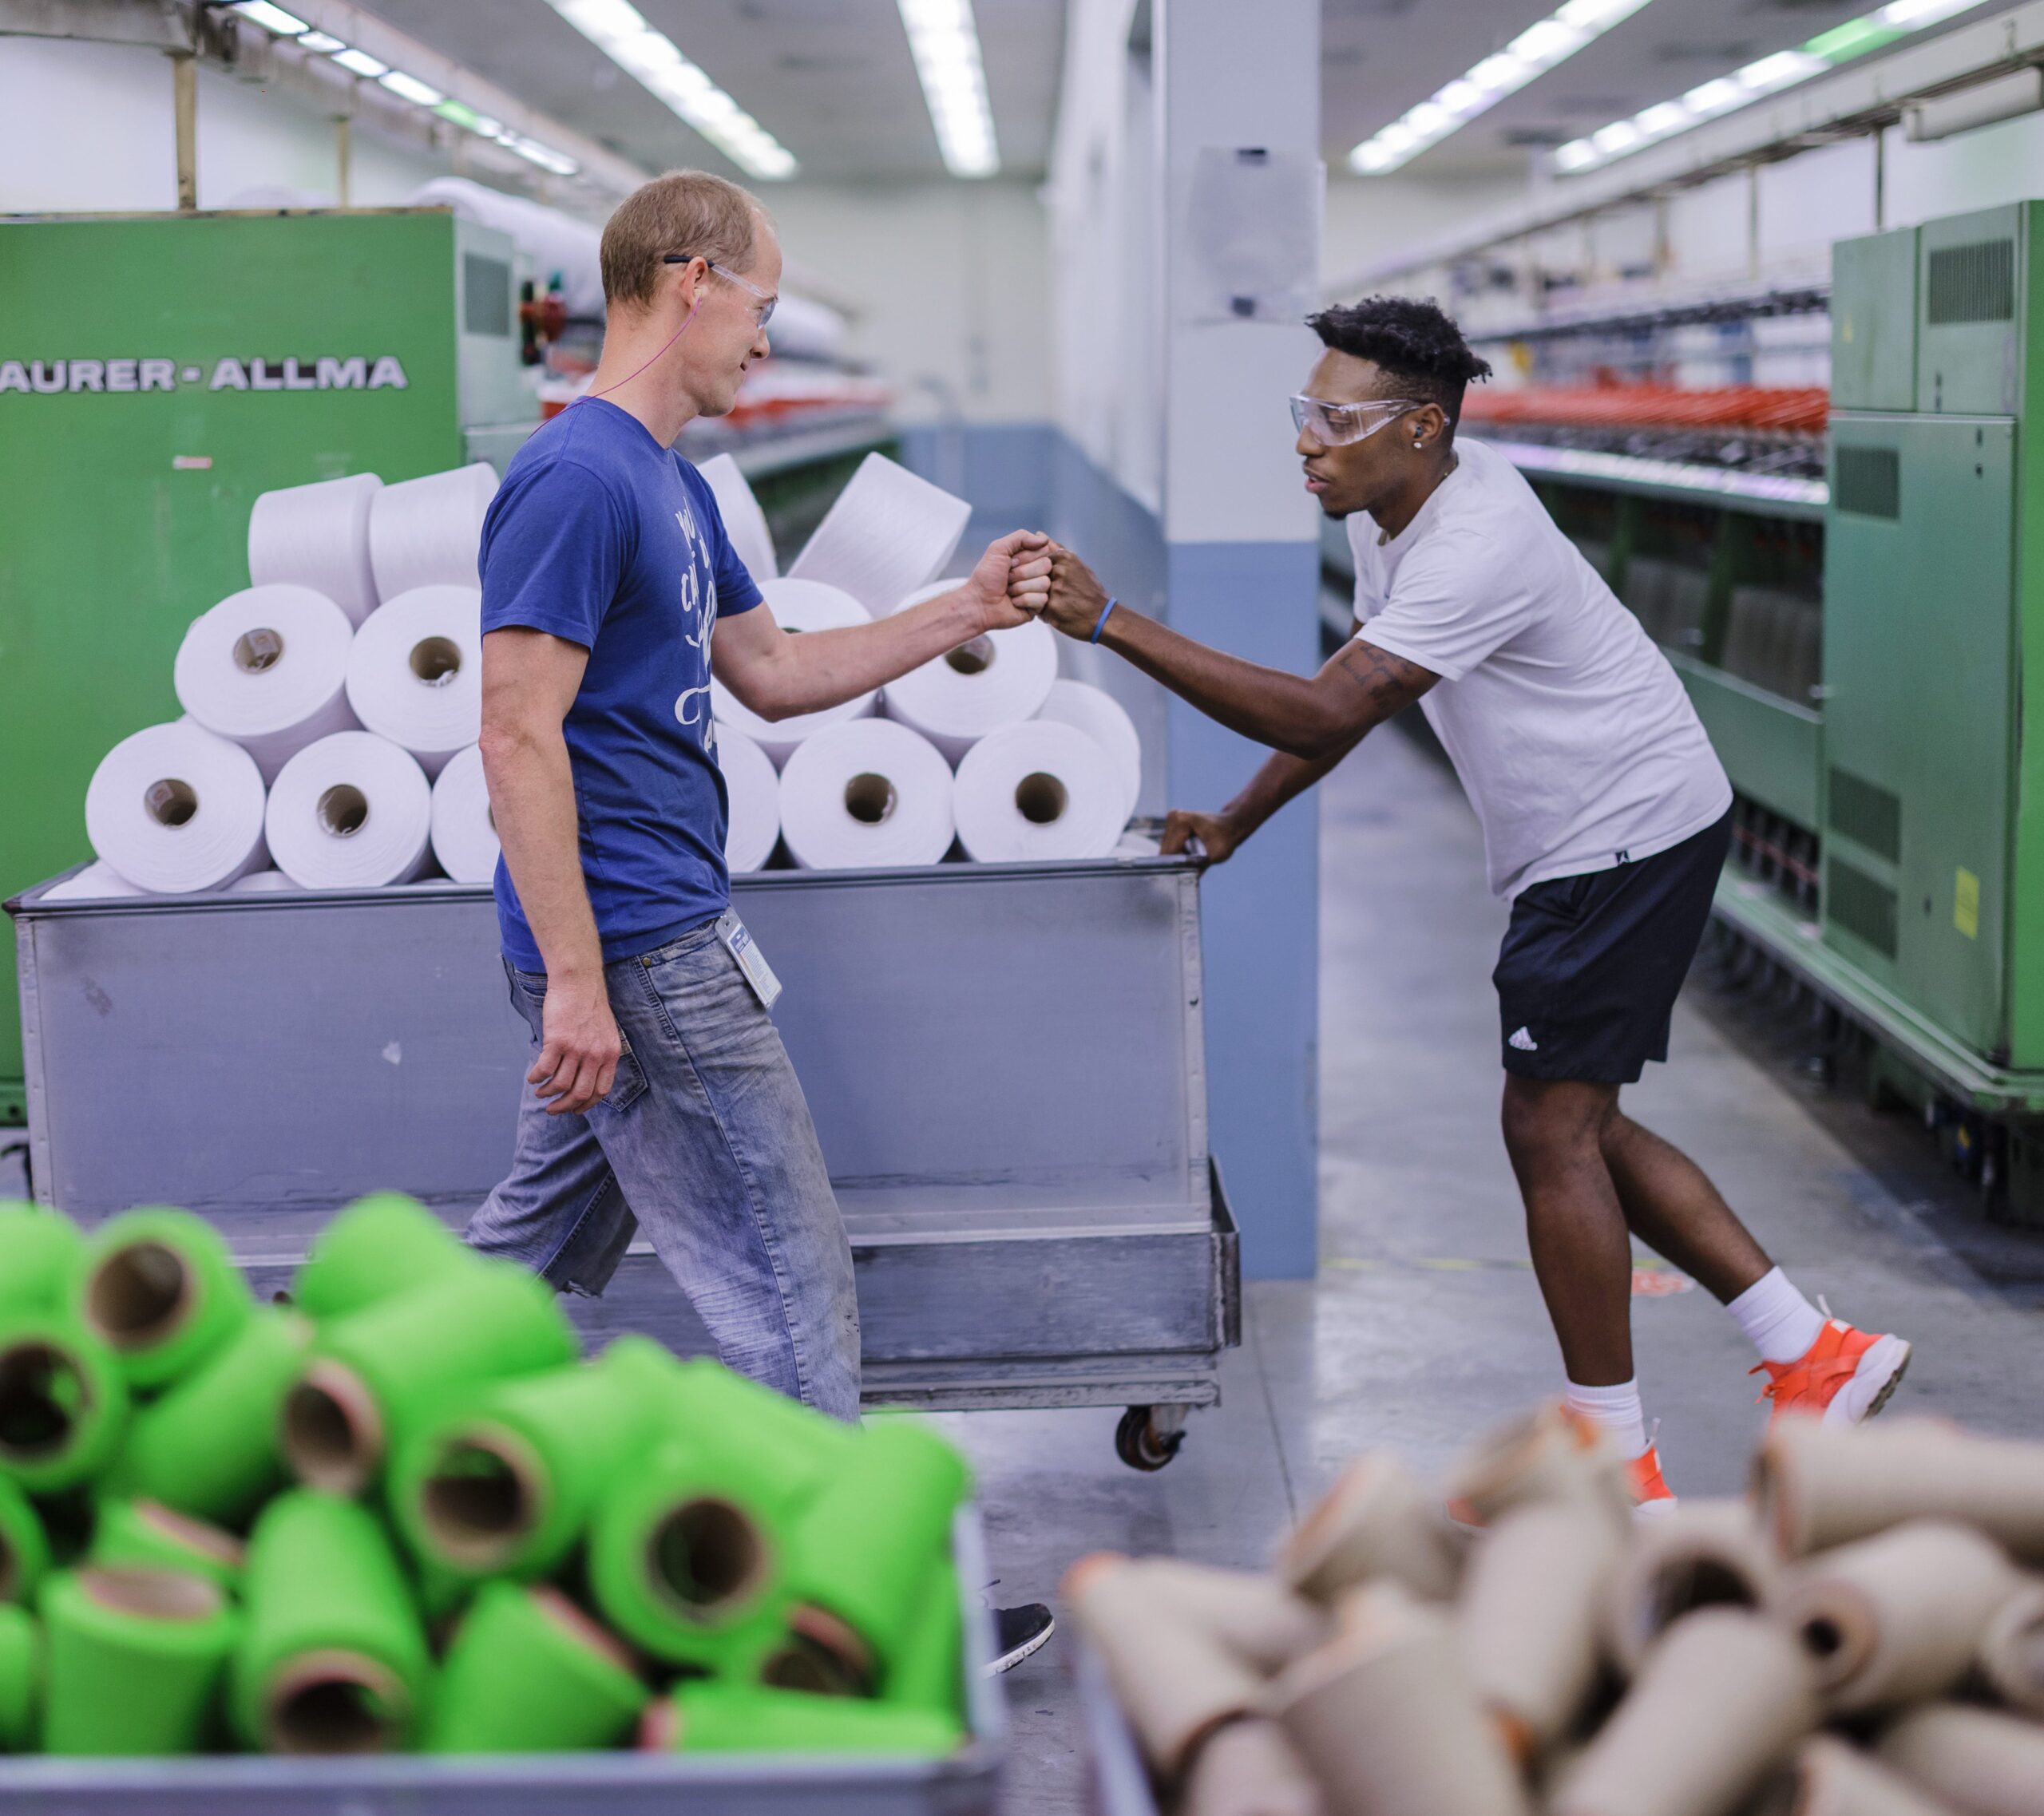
685,210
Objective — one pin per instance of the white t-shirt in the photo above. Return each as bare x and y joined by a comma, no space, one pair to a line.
1574,740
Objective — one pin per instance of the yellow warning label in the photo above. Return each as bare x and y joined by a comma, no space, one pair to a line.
1966,904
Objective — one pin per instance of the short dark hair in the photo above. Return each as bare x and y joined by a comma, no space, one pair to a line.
1413,339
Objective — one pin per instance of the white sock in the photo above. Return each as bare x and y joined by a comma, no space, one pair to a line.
1617,1411
1778,1321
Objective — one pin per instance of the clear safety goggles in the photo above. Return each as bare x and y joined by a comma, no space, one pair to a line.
1334,425
767,298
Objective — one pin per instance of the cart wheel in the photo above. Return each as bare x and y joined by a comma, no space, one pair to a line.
1145,1441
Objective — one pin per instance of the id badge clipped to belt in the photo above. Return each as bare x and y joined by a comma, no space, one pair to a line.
751,960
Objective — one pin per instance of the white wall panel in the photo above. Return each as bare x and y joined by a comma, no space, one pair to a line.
951,282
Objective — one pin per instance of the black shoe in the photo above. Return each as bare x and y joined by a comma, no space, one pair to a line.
1019,1632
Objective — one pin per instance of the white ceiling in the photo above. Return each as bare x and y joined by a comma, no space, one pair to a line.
833,81
1379,57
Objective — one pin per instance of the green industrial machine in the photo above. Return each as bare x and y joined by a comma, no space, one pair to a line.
1931,751
156,374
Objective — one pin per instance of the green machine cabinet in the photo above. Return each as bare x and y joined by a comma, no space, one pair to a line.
156,374
1919,712
1933,636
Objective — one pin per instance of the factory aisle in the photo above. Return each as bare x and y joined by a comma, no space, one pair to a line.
1425,1323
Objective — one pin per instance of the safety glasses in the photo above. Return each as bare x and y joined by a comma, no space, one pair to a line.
1334,425
768,301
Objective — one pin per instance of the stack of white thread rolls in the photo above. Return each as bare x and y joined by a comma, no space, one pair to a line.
320,702
331,709
985,744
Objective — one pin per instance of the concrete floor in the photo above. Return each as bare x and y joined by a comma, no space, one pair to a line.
1425,1323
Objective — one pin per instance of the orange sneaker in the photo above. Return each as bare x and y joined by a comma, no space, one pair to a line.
1651,1495
1844,1378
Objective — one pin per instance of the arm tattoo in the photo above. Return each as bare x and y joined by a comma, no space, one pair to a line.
1377,683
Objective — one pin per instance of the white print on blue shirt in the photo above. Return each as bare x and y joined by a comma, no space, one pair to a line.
698,610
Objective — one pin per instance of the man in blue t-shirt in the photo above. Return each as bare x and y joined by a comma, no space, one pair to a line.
661,1096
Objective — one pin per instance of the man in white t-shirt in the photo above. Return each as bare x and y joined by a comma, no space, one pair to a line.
1607,816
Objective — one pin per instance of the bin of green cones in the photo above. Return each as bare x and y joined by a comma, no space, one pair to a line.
401,1515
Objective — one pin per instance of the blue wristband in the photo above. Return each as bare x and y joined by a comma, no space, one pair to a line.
1102,624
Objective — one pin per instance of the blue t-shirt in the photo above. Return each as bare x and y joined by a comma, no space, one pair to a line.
601,535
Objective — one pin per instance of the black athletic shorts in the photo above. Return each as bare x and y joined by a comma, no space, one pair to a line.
1590,965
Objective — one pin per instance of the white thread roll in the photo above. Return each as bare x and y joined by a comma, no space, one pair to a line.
351,812
754,788
464,835
98,881
865,794
268,667
797,606
1037,790
745,524
318,535
889,533
262,883
415,672
1097,713
428,532
176,809
997,679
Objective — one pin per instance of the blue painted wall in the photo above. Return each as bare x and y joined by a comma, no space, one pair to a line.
1260,911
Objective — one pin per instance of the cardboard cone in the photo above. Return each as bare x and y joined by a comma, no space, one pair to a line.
1249,1768
1376,1520
1831,1779
1175,1681
2012,1650
1817,1486
1255,1616
1551,1454
1717,1705
1892,1620
1706,1553
1385,1716
1980,1763
1528,1617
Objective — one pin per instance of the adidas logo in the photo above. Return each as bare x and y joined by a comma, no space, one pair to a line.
1524,1042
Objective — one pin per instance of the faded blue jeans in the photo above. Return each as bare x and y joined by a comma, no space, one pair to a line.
705,1141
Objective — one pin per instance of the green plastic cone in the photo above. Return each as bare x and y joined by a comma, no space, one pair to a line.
528,1672
333,1655
41,1257
63,1402
380,1245
209,1445
145,1535
505,1482
376,1377
24,1546
863,1547
162,1292
133,1660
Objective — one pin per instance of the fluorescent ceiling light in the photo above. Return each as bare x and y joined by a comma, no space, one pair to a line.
320,43
545,157
272,18
651,57
1771,75
362,63
411,88
1535,50
945,42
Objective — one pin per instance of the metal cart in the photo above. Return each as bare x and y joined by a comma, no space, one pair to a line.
1005,1063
